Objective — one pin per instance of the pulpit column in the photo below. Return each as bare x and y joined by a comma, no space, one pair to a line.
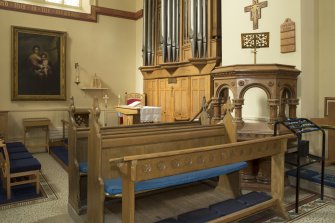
217,109
238,111
293,107
273,104
282,108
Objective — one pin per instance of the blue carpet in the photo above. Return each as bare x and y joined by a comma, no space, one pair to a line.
62,153
313,176
19,193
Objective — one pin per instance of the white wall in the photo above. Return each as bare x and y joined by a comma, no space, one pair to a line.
326,69
107,48
235,21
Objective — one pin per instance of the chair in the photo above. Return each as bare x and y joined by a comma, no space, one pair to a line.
18,171
132,97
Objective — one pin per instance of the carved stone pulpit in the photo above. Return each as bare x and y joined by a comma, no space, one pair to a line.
280,85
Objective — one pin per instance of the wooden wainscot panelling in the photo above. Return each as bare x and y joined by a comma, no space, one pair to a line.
92,17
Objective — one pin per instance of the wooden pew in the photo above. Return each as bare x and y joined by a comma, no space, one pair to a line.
78,150
135,169
78,144
105,146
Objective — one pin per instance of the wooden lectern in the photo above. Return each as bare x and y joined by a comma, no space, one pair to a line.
131,115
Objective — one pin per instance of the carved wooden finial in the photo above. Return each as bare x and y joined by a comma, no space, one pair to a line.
96,109
228,106
72,107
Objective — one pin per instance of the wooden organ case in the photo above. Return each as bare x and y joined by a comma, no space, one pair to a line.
181,46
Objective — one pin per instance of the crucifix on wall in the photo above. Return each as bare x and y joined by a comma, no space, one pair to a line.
255,11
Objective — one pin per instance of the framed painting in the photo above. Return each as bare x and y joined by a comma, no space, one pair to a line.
38,64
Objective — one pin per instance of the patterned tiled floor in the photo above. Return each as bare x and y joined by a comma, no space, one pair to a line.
56,209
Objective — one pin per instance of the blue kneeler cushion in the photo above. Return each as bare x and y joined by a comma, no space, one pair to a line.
61,153
199,216
220,209
313,176
253,198
114,186
169,220
227,207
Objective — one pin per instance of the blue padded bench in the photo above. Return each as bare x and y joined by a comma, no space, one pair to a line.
21,155
24,165
114,186
17,150
14,144
20,164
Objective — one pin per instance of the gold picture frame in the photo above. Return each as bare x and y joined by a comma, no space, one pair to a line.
38,64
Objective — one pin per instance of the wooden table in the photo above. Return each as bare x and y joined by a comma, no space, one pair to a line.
4,125
43,123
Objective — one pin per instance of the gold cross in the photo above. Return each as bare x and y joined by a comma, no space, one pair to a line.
255,11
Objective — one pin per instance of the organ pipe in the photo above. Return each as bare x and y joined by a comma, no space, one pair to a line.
148,32
145,30
193,26
205,28
195,22
163,29
177,31
198,27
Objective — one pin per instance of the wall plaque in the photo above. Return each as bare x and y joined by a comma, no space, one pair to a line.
287,36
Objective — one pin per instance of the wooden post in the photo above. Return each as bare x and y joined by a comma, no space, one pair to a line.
277,180
128,198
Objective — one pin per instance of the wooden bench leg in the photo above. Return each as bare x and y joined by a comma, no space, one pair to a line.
8,188
128,200
229,184
277,183
37,183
